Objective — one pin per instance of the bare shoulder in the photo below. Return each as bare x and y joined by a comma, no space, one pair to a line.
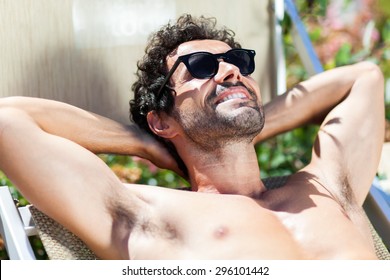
302,191
307,206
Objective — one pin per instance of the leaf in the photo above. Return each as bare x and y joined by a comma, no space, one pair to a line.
343,56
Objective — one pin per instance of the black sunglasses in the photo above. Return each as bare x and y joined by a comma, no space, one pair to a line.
203,65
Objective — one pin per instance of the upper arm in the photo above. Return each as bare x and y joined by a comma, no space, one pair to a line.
347,150
64,180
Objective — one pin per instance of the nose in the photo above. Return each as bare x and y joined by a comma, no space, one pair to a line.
227,72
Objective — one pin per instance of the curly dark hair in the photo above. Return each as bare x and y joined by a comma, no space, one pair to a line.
152,68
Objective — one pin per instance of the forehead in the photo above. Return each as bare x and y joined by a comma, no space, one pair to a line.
212,46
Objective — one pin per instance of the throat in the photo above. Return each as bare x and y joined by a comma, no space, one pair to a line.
230,178
233,169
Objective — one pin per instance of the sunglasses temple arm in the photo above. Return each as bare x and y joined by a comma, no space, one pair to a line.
168,77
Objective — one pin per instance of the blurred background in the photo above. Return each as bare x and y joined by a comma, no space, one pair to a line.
84,52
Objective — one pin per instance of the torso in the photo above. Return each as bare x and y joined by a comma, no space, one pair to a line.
317,221
298,221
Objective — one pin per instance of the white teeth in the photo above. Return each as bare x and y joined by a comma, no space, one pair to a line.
233,96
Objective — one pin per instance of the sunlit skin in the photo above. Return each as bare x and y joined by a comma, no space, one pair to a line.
195,97
229,214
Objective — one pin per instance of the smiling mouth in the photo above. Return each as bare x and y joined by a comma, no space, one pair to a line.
232,96
229,92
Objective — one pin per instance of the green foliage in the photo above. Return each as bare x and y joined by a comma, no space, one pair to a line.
286,153
140,171
385,31
289,152
344,55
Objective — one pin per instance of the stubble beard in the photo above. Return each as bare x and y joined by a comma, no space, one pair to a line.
212,129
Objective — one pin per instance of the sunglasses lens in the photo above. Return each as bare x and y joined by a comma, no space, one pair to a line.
202,65
243,59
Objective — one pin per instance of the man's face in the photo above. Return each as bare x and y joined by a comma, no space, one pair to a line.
217,110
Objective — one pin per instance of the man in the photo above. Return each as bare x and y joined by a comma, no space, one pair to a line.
202,104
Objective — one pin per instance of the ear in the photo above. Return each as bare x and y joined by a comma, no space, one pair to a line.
161,125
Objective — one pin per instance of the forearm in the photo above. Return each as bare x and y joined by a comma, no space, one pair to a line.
91,131
96,133
309,101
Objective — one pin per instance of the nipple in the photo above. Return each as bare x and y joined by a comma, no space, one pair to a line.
221,232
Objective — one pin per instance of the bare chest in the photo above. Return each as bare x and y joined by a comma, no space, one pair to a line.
323,229
213,227
209,226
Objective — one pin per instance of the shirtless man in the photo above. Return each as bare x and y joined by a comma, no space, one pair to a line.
47,149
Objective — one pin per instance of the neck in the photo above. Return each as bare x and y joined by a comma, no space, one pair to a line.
232,169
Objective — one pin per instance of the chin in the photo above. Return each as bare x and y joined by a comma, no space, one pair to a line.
242,113
248,121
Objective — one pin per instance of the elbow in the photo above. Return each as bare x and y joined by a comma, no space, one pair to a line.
11,101
10,117
5,116
12,107
372,80
6,112
5,120
372,71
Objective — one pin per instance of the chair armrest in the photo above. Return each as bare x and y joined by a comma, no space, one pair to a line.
12,228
